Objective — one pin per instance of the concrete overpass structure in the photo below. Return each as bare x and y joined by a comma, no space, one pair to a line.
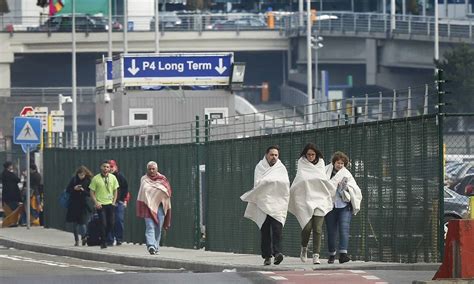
363,44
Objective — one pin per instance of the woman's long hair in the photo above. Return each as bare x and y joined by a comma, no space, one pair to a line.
84,170
311,146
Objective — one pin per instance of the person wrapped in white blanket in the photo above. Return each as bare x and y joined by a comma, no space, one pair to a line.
311,198
268,203
346,203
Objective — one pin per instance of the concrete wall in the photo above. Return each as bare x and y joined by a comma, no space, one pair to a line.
169,106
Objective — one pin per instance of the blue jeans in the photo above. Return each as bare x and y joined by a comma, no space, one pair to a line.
338,219
78,230
153,230
119,216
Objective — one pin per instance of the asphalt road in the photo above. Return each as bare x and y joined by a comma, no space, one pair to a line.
25,267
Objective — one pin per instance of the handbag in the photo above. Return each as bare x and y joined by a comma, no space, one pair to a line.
64,199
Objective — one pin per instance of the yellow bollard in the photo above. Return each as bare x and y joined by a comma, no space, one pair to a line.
471,202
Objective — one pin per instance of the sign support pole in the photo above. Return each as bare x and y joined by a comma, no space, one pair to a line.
28,187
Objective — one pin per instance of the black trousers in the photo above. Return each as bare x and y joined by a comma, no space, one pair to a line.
107,221
271,237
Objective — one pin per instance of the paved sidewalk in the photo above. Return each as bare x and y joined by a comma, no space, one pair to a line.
57,242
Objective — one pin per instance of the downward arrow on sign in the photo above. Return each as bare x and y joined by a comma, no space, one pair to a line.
221,68
133,70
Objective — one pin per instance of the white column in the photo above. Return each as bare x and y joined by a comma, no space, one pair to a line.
125,26
393,10
157,26
300,13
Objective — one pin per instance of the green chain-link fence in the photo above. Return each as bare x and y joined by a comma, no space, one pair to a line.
459,165
177,162
395,163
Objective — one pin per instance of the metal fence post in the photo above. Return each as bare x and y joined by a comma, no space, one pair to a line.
366,111
380,106
206,128
197,128
409,102
425,106
440,118
394,105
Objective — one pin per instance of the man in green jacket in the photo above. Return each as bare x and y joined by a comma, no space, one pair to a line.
104,193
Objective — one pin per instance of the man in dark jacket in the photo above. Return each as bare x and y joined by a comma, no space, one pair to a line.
122,200
11,195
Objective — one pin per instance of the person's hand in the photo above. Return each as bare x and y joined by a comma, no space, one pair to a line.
98,206
125,204
166,228
78,187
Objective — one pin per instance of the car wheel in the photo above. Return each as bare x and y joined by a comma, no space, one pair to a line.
445,224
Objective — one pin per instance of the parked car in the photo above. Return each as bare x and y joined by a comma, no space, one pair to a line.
456,206
465,186
245,23
84,23
455,176
167,20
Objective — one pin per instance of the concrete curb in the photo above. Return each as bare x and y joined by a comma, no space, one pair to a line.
194,266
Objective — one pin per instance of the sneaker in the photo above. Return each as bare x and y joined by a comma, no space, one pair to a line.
316,258
267,261
84,240
278,259
152,250
76,243
331,259
103,246
303,254
118,243
343,258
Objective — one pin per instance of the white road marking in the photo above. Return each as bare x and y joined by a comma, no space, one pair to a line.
357,271
371,277
59,264
278,278
381,282
266,272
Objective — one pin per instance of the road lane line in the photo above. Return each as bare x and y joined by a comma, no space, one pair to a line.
59,264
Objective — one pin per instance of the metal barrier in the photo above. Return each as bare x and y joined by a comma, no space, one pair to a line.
346,22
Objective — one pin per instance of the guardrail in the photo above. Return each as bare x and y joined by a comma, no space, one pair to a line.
330,113
346,22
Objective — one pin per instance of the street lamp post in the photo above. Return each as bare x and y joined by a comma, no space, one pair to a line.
74,77
309,62
436,31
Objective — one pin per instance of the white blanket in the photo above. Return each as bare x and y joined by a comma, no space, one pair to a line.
270,193
354,190
311,192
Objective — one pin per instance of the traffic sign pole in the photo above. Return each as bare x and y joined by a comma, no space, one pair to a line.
28,187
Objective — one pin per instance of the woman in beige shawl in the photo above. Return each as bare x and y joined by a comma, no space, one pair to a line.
311,198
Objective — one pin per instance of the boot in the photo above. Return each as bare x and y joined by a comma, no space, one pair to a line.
343,258
331,259
303,254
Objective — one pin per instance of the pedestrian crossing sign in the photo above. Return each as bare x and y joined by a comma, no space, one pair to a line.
27,130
